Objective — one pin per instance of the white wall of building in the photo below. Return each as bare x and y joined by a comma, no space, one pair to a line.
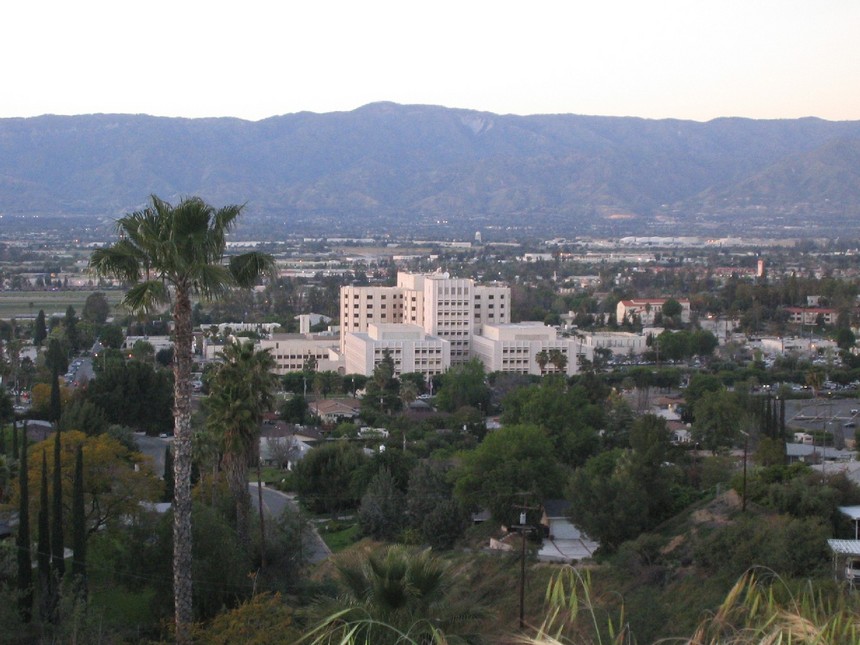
290,352
513,347
411,348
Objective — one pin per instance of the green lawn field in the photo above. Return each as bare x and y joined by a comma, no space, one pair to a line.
19,304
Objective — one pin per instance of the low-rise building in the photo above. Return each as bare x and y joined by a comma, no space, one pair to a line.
411,348
646,309
292,351
811,315
522,347
620,343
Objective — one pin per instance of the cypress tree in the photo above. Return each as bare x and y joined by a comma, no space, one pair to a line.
44,546
15,437
782,418
768,414
79,530
58,564
22,540
55,410
40,332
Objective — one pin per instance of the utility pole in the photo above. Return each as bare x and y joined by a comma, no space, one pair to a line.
522,527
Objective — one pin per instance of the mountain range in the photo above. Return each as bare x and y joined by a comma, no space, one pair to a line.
414,168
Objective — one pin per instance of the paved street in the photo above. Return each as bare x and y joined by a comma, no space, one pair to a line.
274,503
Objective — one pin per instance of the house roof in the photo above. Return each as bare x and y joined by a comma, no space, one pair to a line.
334,407
851,511
844,547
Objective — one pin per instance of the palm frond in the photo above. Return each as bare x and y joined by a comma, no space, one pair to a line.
147,297
248,267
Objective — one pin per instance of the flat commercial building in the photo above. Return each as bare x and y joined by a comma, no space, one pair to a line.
410,347
646,310
620,343
523,347
292,351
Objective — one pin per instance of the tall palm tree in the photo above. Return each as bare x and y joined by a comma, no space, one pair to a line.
241,390
169,254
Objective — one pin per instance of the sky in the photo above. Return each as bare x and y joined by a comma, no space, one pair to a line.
687,59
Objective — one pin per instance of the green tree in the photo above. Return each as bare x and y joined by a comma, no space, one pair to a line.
718,418
324,477
169,253
116,479
43,550
112,336
85,416
58,561
509,461
381,512
40,329
542,359
22,539
565,414
464,385
56,357
55,410
241,391
79,527
143,351
70,324
96,308
672,308
431,509
295,409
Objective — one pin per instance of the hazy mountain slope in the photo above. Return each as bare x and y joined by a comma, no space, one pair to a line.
418,162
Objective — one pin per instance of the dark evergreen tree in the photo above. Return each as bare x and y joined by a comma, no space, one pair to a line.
72,333
58,564
56,356
15,436
40,330
55,411
79,527
22,540
44,546
782,418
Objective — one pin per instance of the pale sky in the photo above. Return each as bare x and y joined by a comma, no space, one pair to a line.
689,59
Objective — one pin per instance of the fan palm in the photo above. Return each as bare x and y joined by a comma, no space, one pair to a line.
400,596
240,392
167,254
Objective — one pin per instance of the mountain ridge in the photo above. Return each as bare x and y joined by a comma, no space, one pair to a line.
386,164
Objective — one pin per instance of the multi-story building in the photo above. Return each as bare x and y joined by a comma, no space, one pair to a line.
410,347
449,308
292,351
810,315
527,348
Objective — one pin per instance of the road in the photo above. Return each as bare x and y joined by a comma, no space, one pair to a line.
153,447
275,503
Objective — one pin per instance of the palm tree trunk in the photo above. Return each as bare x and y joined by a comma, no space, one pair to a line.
237,476
182,466
262,513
